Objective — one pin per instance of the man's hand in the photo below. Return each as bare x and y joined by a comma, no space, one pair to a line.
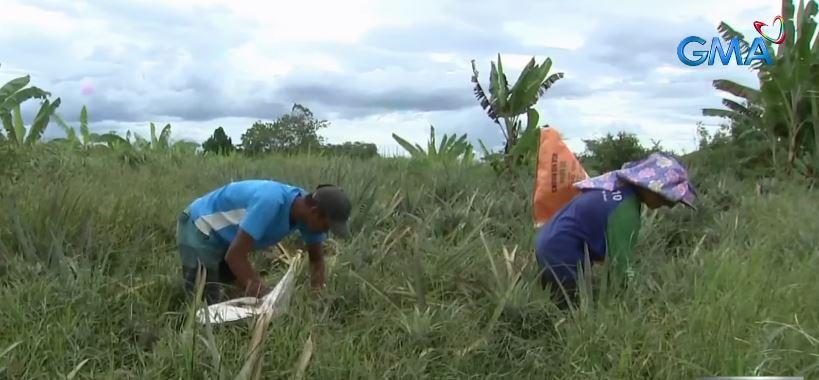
237,260
316,253
256,289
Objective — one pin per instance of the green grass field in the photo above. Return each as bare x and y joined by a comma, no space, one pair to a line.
91,286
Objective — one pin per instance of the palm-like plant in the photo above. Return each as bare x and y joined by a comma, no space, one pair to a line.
87,137
783,105
12,95
509,104
160,143
787,87
450,149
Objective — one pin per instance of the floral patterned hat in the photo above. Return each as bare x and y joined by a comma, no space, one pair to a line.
659,173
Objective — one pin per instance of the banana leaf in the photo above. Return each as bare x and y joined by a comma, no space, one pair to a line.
70,133
41,121
414,151
486,104
19,126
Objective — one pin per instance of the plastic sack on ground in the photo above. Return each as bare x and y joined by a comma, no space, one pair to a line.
273,304
557,170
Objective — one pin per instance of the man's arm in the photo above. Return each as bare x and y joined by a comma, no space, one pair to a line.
316,265
261,210
237,260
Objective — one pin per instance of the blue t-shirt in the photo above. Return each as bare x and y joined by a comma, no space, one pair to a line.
584,220
259,207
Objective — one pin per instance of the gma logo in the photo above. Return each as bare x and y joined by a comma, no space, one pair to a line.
758,51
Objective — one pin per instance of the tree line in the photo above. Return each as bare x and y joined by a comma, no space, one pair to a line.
295,132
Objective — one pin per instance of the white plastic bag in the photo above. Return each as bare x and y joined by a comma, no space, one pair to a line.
274,303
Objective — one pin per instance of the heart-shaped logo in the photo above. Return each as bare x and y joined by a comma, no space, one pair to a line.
759,24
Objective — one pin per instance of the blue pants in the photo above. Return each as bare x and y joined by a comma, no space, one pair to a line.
197,249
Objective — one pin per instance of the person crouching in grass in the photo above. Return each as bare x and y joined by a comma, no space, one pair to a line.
603,222
219,230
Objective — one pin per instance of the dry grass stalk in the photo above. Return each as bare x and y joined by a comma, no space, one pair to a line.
272,307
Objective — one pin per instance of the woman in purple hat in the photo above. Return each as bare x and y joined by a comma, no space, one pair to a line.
603,221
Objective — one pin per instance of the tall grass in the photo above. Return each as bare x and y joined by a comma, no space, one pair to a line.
438,281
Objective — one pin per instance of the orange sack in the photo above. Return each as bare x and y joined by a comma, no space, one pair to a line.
557,169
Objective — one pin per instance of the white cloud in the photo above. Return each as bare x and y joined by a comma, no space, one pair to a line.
672,70
16,16
371,67
561,33
254,63
307,20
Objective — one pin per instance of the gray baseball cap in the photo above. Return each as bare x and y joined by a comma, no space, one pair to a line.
333,202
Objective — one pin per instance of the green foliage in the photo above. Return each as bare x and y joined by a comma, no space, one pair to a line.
747,150
161,142
38,126
525,150
439,280
782,108
509,104
354,149
523,155
184,148
18,132
451,149
610,152
808,164
12,95
296,131
88,139
218,143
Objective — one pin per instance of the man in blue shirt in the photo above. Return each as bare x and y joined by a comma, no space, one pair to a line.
219,230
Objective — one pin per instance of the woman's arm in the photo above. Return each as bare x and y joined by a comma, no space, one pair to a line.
622,232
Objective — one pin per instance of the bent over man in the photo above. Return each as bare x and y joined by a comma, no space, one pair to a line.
219,230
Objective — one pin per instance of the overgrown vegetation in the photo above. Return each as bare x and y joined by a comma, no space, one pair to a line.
90,278
12,96
508,104
783,110
439,279
218,143
452,149
611,152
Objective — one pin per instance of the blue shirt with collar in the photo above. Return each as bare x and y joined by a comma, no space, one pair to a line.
259,207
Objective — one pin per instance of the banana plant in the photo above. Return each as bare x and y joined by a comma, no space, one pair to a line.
12,95
787,86
808,164
87,137
137,142
451,148
523,153
161,143
782,106
509,104
19,134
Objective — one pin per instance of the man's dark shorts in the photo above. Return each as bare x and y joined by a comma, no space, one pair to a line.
196,248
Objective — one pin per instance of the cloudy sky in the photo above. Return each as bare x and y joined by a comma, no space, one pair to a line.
370,67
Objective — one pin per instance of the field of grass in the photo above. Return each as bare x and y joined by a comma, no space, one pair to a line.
90,282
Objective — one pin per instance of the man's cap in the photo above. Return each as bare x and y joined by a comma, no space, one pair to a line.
333,202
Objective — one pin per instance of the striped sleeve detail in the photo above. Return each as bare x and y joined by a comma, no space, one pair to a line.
219,220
